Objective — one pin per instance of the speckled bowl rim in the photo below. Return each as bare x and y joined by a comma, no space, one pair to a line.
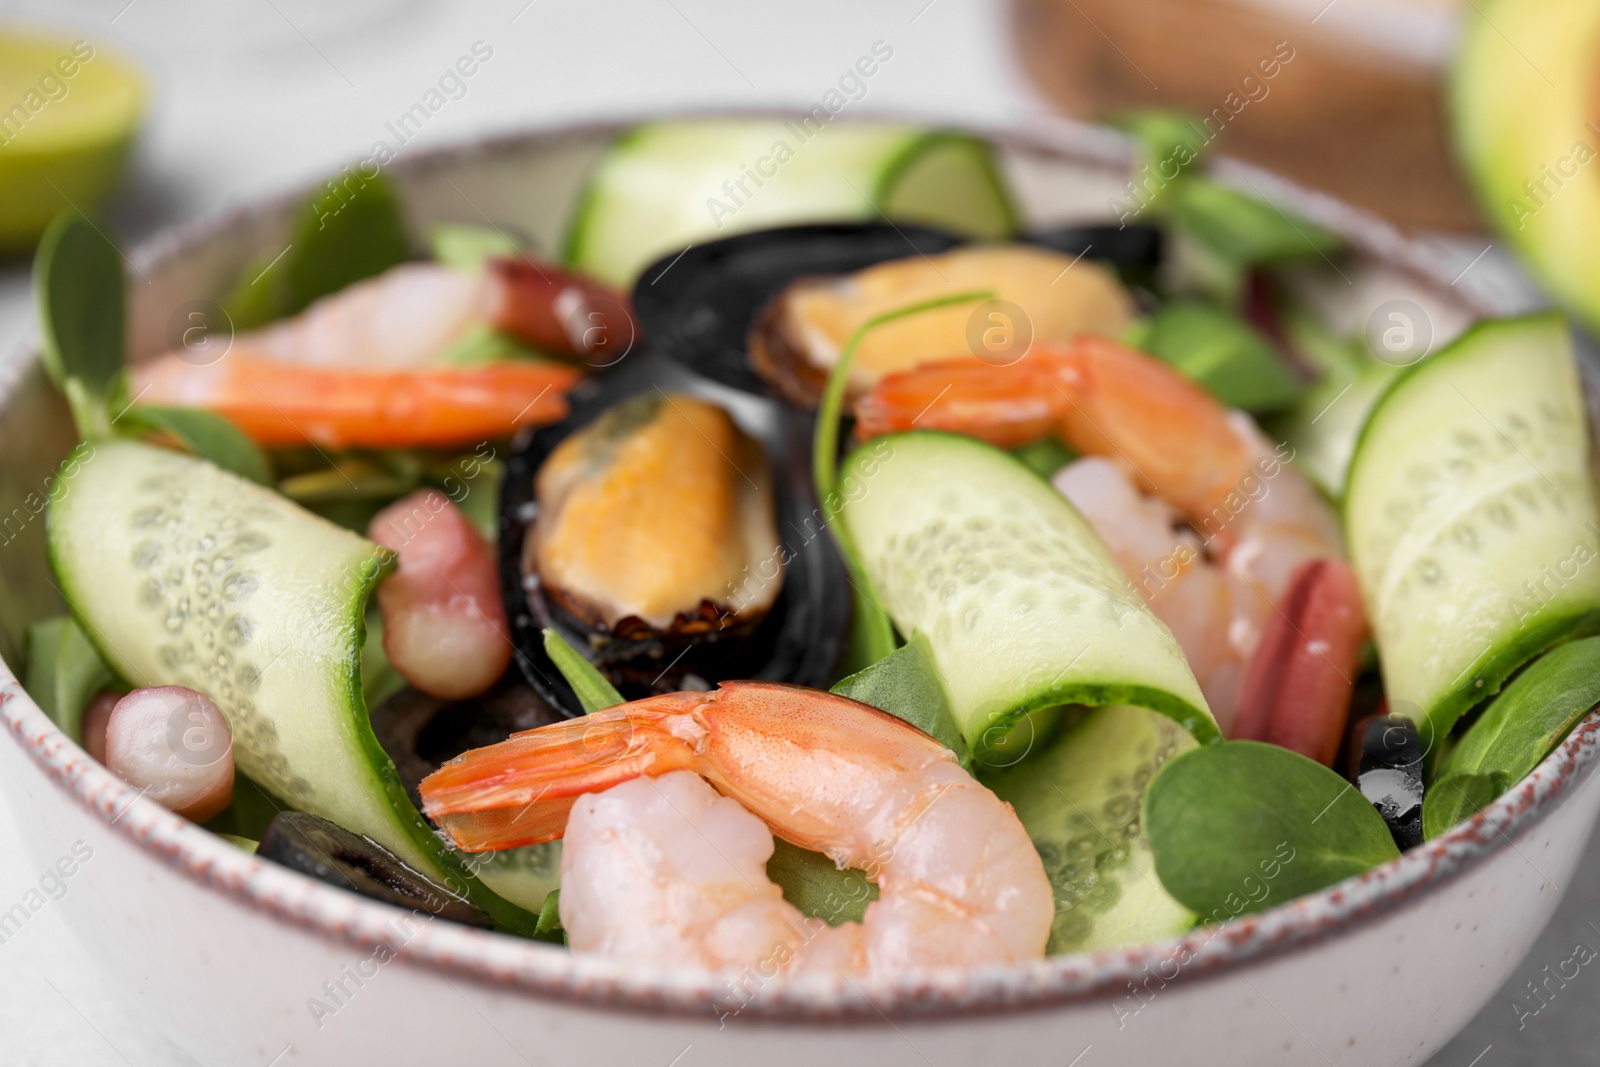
511,964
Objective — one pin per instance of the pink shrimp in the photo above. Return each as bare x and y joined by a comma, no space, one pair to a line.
1207,519
657,868
444,624
411,315
360,368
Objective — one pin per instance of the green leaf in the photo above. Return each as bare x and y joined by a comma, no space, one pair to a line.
871,632
349,477
1219,350
472,483
478,495
1171,145
248,814
1323,424
1046,456
379,679
1335,357
208,435
548,928
64,672
351,230
1455,797
814,884
593,691
258,295
1243,229
1241,826
1522,726
482,344
466,248
78,282
906,685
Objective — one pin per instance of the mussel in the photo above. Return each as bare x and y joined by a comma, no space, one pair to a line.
667,530
699,308
656,522
1038,295
332,854
724,309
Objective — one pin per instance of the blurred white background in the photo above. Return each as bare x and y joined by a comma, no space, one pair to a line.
252,96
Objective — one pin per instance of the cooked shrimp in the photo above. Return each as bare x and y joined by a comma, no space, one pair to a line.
1253,521
405,317
412,314
1166,562
444,625
279,404
662,871
358,367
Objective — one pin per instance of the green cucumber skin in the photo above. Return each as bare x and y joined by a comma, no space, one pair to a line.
1127,656
313,576
1471,645
897,168
1082,800
695,157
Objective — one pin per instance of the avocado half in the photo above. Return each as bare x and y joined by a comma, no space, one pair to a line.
1526,120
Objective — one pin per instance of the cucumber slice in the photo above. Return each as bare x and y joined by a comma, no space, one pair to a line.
184,574
1081,800
524,875
1471,515
1323,426
1022,606
664,186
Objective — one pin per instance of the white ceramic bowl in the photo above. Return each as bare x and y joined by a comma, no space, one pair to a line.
245,962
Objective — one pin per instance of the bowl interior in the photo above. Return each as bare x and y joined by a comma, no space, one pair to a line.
530,184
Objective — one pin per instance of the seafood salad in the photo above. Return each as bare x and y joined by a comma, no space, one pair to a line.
835,594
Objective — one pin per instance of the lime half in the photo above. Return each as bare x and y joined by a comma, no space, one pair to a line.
68,114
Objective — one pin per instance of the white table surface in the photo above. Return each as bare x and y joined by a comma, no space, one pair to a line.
255,95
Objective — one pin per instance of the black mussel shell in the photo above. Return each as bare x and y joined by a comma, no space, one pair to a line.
798,641
698,308
1390,774
332,854
1133,251
421,733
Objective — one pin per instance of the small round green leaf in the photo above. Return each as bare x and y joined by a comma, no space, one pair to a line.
1457,797
1241,826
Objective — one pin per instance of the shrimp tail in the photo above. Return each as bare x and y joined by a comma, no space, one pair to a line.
520,791
1297,691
